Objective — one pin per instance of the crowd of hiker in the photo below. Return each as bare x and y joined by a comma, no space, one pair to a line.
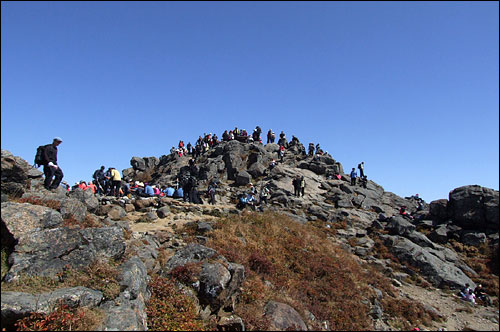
108,182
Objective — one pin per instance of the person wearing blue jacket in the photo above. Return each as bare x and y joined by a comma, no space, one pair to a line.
169,191
353,176
148,190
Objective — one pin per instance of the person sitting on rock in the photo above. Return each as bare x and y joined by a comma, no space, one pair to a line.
242,201
156,190
92,187
251,200
148,191
253,191
402,211
364,181
470,297
272,164
481,295
82,185
420,205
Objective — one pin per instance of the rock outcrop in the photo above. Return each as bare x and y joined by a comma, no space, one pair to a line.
80,228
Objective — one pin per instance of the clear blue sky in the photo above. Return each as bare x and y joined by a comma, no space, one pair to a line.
410,88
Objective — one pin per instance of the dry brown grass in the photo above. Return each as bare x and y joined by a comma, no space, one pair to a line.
53,204
414,314
484,261
88,222
102,276
305,269
299,265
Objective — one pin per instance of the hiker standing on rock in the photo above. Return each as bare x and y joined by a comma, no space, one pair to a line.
270,136
281,152
50,168
264,194
353,177
361,168
211,191
116,182
100,180
296,186
311,149
302,185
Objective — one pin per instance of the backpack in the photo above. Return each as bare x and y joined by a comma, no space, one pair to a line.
40,156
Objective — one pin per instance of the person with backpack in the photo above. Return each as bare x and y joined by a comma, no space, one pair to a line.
270,136
51,169
100,180
311,149
361,168
318,149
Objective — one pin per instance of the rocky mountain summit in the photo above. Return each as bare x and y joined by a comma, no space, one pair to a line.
56,238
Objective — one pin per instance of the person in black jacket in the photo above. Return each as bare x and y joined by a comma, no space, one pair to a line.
51,169
100,180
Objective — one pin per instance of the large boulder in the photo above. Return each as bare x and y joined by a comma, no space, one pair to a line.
138,164
134,278
16,169
23,218
73,208
47,252
283,317
439,235
243,178
400,226
151,162
475,207
16,305
439,267
191,253
213,280
87,197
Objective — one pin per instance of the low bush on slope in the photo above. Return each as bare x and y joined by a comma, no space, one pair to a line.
299,265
